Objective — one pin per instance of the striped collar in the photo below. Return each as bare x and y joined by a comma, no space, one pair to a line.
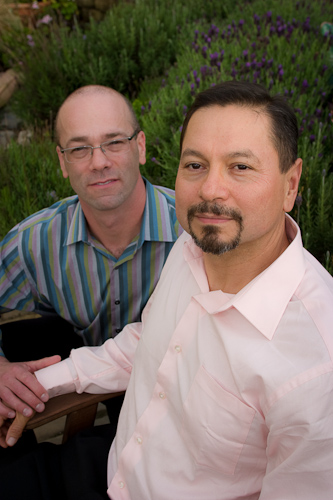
156,224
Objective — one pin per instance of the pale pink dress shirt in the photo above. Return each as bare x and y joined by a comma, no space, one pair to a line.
229,396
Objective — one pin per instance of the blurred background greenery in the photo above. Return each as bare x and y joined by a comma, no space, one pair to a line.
160,53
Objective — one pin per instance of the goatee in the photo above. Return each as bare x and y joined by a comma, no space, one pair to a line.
210,241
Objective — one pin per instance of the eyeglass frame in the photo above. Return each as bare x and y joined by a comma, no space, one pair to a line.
63,150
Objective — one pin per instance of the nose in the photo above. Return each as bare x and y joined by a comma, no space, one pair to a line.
98,161
214,185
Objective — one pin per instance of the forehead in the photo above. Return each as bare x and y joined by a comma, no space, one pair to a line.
94,114
229,126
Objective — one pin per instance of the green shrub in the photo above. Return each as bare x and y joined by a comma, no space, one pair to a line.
30,180
135,41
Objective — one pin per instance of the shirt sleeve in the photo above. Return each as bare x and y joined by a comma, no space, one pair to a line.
300,443
95,370
15,290
14,285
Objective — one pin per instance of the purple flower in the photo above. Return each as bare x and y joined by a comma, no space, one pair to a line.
299,200
312,138
241,22
44,20
245,53
31,43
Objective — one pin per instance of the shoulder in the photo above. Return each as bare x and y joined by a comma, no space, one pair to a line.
50,215
160,193
41,220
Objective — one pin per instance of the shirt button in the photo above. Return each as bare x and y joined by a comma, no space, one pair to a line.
117,302
162,395
139,440
121,484
178,348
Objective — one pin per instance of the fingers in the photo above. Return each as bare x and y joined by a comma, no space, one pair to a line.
6,412
20,390
16,428
44,362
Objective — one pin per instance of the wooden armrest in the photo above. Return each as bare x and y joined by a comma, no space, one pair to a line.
80,410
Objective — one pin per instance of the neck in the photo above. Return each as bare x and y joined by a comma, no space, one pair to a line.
233,270
116,228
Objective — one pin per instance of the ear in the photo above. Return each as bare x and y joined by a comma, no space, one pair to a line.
141,142
63,167
292,181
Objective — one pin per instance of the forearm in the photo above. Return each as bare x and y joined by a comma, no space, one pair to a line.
94,370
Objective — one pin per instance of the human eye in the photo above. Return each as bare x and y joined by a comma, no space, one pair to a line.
78,153
240,167
115,145
193,166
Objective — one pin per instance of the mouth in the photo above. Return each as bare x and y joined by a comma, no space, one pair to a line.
103,183
212,219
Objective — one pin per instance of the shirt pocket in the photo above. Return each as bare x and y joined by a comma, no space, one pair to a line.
215,424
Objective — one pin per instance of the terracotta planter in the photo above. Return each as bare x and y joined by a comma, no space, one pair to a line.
27,12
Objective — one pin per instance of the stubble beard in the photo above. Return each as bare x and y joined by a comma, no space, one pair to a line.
210,240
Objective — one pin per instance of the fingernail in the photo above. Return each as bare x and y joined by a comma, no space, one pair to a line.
11,414
11,441
27,412
40,407
44,397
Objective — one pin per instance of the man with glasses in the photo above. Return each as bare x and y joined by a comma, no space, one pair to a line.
89,263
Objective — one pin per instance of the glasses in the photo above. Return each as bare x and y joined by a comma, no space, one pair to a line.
109,148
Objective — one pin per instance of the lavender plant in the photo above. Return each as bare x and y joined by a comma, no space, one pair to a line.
288,55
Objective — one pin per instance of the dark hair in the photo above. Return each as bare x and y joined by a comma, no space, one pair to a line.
284,130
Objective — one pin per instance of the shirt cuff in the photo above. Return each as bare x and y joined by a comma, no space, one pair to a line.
58,379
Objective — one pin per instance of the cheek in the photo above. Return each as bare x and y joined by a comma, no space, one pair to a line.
181,205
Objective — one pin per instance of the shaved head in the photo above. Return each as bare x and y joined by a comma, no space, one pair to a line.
87,91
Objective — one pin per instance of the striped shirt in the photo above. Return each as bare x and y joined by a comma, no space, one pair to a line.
50,263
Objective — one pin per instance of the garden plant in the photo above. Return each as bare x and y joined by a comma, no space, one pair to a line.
160,54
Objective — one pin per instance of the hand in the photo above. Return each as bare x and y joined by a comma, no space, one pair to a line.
10,432
20,390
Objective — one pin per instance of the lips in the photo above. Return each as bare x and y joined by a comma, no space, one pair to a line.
103,183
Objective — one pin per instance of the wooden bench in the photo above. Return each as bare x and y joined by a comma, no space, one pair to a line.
79,409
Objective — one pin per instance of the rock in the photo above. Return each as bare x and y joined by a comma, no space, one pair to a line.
8,120
8,85
24,137
5,137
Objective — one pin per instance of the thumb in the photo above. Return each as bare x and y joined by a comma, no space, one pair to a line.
43,363
16,429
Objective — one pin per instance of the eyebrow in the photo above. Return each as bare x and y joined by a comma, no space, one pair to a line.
245,153
192,152
84,139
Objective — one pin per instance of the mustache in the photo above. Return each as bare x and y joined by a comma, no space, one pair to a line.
213,208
